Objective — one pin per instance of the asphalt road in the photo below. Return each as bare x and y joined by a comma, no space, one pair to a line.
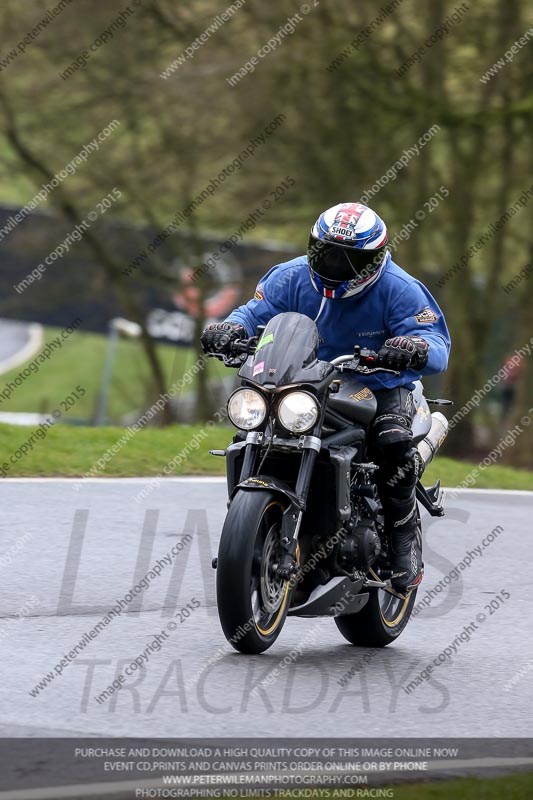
67,556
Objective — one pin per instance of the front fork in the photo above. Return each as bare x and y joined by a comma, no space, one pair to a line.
292,516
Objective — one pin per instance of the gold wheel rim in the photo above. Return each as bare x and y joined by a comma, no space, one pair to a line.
279,615
397,619
281,610
402,610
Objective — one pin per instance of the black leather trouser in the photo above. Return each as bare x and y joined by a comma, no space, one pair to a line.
392,449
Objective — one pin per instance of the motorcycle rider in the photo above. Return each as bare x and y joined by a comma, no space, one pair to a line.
350,286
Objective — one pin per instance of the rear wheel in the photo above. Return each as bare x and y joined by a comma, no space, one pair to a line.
381,620
252,600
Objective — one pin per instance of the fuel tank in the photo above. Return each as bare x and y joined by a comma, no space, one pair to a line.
354,400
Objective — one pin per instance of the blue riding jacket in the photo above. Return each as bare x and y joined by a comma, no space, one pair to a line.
396,305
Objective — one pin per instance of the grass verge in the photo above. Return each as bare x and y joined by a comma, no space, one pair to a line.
72,451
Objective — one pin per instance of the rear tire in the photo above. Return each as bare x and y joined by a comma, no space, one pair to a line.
252,601
381,620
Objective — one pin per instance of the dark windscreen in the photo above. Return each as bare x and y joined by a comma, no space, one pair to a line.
286,353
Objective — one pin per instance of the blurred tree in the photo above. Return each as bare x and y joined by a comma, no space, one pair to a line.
351,110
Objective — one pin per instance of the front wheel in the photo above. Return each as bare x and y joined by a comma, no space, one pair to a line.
252,600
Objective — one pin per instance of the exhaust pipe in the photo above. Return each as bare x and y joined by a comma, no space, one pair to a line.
429,447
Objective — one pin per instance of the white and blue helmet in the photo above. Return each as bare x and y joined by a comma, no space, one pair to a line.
347,250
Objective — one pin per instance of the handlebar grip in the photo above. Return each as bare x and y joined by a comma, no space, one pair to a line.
246,346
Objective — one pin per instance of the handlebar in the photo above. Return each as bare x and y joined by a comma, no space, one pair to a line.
244,346
239,350
362,360
365,357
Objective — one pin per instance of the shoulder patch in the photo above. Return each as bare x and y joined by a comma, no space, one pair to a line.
259,293
425,316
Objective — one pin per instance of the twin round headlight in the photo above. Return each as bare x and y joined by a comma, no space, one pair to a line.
297,411
247,409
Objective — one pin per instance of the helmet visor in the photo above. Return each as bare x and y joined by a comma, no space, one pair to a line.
335,264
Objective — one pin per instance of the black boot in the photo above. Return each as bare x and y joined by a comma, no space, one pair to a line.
405,539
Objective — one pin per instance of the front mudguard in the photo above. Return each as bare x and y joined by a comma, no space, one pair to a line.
292,514
267,482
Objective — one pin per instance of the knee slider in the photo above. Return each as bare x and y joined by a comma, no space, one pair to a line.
392,438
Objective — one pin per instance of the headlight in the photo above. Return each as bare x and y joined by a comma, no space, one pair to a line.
247,409
298,412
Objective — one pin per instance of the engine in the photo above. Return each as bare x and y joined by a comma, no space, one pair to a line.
361,547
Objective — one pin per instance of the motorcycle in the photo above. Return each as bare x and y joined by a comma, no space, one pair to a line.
304,533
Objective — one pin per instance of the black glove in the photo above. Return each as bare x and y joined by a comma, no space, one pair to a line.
404,352
217,337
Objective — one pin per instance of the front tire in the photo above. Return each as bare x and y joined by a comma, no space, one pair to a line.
252,601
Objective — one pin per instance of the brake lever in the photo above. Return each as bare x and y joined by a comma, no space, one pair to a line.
236,361
228,361
364,370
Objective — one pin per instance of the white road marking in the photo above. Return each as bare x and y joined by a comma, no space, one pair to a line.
147,479
222,479
35,340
